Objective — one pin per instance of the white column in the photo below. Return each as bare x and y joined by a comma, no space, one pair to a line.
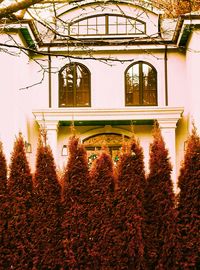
168,128
52,132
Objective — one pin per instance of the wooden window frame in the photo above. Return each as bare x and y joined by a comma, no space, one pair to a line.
75,64
141,86
107,15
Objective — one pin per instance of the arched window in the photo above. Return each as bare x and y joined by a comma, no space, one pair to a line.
113,141
141,85
107,24
74,86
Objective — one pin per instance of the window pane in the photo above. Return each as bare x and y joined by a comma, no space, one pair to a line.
92,21
62,93
122,20
92,26
122,25
92,30
149,78
149,85
140,28
74,29
101,26
121,29
149,98
131,27
112,20
132,85
66,89
136,98
134,71
145,71
101,29
101,20
74,86
82,99
69,81
141,85
69,99
112,25
83,29
83,22
112,29
82,86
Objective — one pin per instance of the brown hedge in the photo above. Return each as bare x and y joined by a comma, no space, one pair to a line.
47,242
20,214
76,201
189,204
160,214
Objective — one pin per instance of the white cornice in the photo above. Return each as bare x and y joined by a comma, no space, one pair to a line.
116,48
164,115
185,24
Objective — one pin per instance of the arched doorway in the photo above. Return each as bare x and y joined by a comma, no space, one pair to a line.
113,141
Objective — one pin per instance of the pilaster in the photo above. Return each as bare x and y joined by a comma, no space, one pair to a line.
168,130
51,126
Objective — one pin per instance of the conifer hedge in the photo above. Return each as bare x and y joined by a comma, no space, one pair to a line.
47,241
20,213
189,205
103,218
76,202
4,251
102,231
129,211
159,203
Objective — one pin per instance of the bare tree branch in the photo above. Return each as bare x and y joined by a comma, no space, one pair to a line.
17,6
35,84
89,57
56,28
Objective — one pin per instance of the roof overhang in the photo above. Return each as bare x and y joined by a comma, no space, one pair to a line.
26,29
186,24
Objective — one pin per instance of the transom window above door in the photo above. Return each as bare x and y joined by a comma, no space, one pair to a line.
107,24
74,86
113,141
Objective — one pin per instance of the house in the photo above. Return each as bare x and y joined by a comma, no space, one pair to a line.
108,67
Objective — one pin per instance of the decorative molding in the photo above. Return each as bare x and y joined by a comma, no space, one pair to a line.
167,123
48,124
105,130
166,116
108,139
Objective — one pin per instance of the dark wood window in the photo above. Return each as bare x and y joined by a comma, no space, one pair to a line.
141,85
107,24
74,86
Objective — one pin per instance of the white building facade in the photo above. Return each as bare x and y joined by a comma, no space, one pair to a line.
109,68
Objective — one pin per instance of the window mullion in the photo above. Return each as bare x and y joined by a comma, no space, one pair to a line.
96,26
74,84
107,25
87,27
140,84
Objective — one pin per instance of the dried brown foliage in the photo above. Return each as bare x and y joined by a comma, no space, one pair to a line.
48,248
20,216
129,215
4,252
102,232
189,204
76,201
160,214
